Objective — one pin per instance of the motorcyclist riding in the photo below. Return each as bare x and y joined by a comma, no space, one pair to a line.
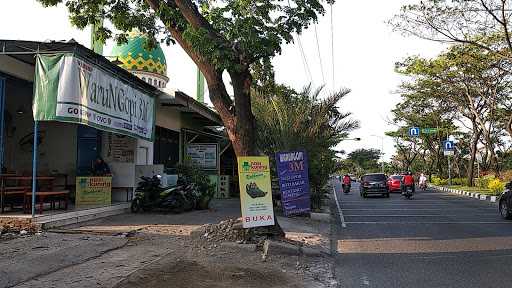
347,182
423,181
408,181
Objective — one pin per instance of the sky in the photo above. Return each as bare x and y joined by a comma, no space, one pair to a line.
365,50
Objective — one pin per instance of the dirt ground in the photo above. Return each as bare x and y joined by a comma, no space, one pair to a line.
156,250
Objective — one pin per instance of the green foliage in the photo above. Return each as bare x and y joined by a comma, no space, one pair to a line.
458,181
287,120
193,174
436,180
366,159
496,186
483,182
219,30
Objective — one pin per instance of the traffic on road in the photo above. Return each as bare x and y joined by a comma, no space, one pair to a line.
437,239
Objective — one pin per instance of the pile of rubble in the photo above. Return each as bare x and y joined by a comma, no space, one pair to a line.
226,231
13,227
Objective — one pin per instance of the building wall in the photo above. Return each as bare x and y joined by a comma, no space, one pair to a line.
57,151
168,117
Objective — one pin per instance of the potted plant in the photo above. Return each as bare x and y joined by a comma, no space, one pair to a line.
200,179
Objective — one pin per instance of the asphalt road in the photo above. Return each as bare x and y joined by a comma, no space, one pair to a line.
436,239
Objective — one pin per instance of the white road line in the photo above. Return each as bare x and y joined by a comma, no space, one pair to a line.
429,222
418,209
424,215
342,219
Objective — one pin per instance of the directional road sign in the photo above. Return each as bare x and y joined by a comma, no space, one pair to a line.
414,131
429,130
448,145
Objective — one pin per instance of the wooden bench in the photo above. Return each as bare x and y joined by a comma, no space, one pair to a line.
52,196
14,195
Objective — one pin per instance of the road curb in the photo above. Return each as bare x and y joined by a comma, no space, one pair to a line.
481,197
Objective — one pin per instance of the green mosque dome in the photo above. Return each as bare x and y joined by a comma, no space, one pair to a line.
134,57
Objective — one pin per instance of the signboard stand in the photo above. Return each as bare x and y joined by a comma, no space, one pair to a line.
292,169
255,191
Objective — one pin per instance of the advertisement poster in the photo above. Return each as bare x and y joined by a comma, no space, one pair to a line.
204,155
292,169
120,148
255,191
69,89
93,191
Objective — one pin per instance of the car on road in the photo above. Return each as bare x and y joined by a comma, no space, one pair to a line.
395,183
505,203
375,183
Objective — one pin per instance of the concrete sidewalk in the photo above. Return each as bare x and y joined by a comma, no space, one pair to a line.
127,250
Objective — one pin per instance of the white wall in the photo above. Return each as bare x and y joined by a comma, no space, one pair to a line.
57,151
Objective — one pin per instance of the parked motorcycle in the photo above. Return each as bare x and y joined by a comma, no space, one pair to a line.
150,195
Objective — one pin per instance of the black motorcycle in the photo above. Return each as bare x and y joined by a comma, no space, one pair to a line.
408,192
150,195
346,188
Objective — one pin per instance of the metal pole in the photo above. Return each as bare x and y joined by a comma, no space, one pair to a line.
34,168
2,120
2,108
449,172
382,152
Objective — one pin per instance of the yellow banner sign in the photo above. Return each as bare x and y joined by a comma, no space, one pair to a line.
255,191
93,191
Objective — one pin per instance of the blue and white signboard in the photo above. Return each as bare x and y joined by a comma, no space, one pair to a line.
292,169
448,148
448,145
414,131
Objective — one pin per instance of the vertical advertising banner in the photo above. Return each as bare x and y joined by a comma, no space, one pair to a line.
292,170
255,191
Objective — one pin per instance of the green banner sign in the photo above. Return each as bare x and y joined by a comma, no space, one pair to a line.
429,130
68,89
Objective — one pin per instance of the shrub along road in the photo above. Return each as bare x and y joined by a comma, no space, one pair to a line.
436,239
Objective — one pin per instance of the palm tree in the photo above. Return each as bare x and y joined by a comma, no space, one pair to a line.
290,120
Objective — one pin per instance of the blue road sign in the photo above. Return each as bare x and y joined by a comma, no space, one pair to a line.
414,131
448,145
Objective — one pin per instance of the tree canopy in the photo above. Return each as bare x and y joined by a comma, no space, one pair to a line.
219,36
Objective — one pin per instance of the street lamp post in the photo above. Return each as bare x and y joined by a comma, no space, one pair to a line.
381,149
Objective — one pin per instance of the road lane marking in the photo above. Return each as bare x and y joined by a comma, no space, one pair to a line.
426,222
418,209
342,219
418,215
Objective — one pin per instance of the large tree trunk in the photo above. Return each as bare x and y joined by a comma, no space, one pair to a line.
474,144
236,116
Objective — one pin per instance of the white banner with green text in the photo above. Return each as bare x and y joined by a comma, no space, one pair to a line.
69,89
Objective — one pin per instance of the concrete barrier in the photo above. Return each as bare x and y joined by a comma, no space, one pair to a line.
478,196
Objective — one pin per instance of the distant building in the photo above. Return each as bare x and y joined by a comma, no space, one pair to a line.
150,66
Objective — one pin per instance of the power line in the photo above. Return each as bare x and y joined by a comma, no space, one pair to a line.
319,55
303,55
304,59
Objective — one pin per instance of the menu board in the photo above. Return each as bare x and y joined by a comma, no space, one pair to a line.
203,155
120,148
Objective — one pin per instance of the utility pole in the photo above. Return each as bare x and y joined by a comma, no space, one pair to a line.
381,150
